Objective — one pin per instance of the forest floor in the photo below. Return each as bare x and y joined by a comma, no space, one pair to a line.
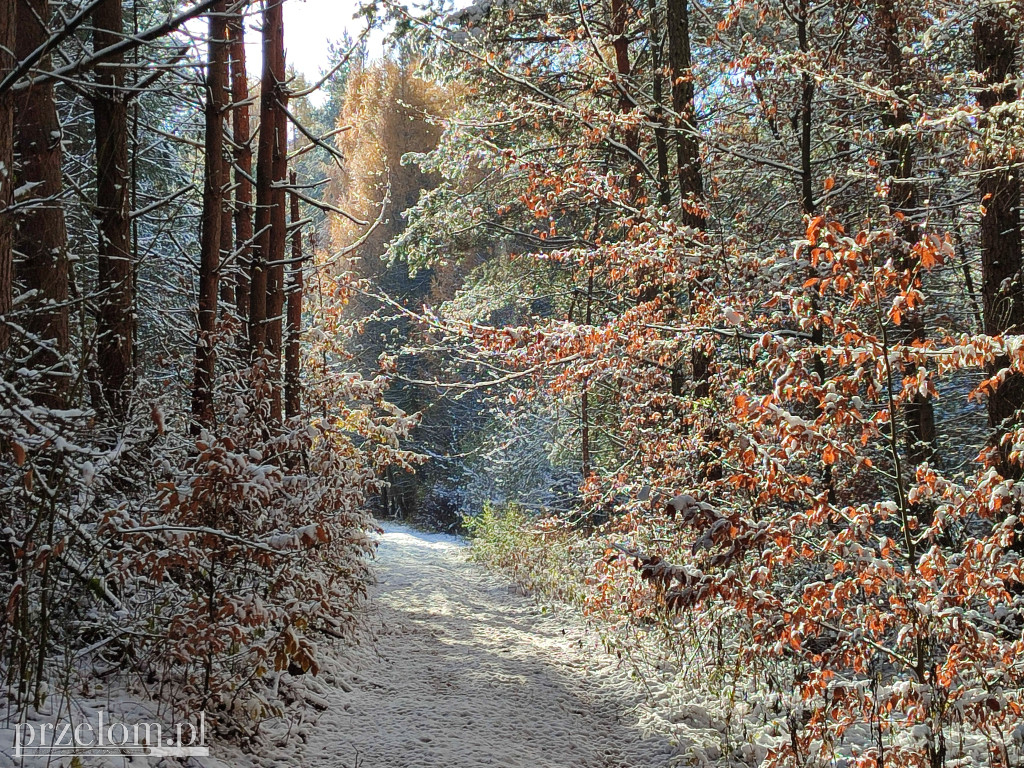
466,672
455,669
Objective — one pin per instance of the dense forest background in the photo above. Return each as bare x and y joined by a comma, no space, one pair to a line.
706,313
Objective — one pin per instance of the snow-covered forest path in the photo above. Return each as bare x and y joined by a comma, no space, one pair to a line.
466,672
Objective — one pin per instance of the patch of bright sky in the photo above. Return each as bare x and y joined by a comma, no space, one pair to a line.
310,26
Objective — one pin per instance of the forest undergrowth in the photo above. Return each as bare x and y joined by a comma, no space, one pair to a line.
715,709
702,690
186,456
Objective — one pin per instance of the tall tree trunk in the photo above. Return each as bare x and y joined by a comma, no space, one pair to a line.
657,94
918,412
688,170
691,183
7,181
213,218
620,44
805,122
807,89
808,204
278,231
41,239
278,226
268,251
292,379
242,136
115,353
995,47
227,279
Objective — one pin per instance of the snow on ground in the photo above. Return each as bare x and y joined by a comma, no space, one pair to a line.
468,673
458,671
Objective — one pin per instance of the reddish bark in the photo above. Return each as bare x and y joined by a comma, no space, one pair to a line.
620,44
41,239
688,170
691,183
115,345
995,44
268,250
242,136
213,218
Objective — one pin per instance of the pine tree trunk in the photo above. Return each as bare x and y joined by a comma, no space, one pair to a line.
918,412
7,180
620,44
278,235
264,163
691,183
807,89
242,136
278,248
808,205
213,218
115,346
657,93
41,239
995,44
688,170
268,251
292,362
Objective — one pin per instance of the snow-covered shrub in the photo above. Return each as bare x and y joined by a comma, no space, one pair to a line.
254,548
204,568
542,555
